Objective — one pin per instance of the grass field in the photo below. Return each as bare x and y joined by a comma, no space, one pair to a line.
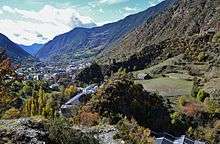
167,86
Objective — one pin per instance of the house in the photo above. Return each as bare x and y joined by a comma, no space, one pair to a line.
38,77
55,86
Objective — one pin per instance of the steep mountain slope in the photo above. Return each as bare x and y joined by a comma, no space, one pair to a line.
84,42
185,18
12,50
32,49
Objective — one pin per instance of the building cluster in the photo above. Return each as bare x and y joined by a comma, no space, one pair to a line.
49,72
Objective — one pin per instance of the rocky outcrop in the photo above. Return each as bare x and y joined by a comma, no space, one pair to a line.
30,131
104,134
22,131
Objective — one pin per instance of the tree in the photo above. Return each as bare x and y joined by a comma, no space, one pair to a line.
7,77
41,100
195,88
91,75
70,91
27,90
121,96
40,103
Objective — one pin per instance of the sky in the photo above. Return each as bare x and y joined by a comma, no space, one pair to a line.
38,21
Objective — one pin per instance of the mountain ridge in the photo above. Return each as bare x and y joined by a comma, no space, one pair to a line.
185,18
94,40
15,52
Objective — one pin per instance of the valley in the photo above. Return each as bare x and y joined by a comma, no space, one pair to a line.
152,77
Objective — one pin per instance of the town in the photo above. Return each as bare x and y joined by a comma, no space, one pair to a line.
54,74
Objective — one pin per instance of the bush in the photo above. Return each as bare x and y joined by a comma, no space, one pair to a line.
89,118
192,109
61,132
203,133
70,91
182,101
131,132
212,106
176,117
195,89
12,113
202,56
216,38
201,95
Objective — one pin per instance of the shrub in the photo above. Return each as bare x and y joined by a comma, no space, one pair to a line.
12,113
182,101
201,95
89,118
201,57
216,38
192,109
195,89
176,117
204,133
212,106
131,132
61,132
70,91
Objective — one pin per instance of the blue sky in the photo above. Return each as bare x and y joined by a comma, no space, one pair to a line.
37,21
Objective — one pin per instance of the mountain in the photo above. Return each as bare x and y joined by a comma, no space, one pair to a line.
83,43
32,49
12,50
184,19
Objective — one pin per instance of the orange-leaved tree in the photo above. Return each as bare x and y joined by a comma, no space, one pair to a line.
7,75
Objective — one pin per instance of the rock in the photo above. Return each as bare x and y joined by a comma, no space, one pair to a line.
144,76
22,130
104,134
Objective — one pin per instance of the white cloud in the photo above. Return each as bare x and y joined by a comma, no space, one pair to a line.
101,10
40,26
8,9
111,1
130,9
103,23
153,2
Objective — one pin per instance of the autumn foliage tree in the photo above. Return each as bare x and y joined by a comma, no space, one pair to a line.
40,103
70,90
120,96
7,76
